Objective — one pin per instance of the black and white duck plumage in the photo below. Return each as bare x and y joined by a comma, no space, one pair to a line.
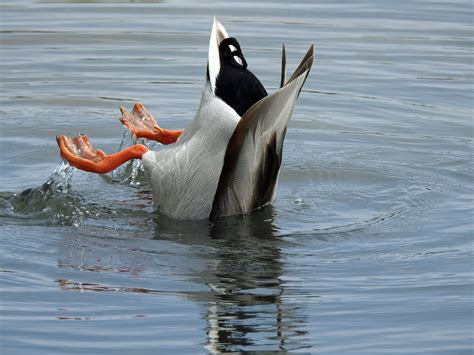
227,161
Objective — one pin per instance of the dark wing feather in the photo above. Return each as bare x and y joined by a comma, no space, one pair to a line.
254,153
283,66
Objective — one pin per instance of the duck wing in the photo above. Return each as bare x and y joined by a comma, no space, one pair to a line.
254,153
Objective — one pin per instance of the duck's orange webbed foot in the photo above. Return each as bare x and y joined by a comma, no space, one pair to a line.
143,125
78,151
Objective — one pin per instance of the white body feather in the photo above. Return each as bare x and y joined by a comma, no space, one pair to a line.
184,175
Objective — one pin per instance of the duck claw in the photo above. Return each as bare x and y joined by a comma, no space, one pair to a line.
143,125
139,122
80,147
80,153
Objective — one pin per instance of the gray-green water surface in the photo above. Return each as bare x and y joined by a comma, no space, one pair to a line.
368,246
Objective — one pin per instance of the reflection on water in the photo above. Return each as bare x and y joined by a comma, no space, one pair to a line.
237,261
246,287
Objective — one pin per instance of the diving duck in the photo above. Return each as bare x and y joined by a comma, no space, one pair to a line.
227,161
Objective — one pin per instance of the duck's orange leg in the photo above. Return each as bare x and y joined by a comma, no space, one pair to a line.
143,125
79,152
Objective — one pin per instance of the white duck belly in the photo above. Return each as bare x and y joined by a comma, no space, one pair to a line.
184,176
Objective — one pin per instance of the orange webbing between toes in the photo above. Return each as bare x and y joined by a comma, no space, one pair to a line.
143,125
79,153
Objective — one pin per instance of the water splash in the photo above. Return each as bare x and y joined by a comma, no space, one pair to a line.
35,199
133,172
52,203
60,179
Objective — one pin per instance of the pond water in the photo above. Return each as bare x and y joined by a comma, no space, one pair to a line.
368,246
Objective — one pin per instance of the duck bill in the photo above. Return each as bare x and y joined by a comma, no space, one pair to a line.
218,34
